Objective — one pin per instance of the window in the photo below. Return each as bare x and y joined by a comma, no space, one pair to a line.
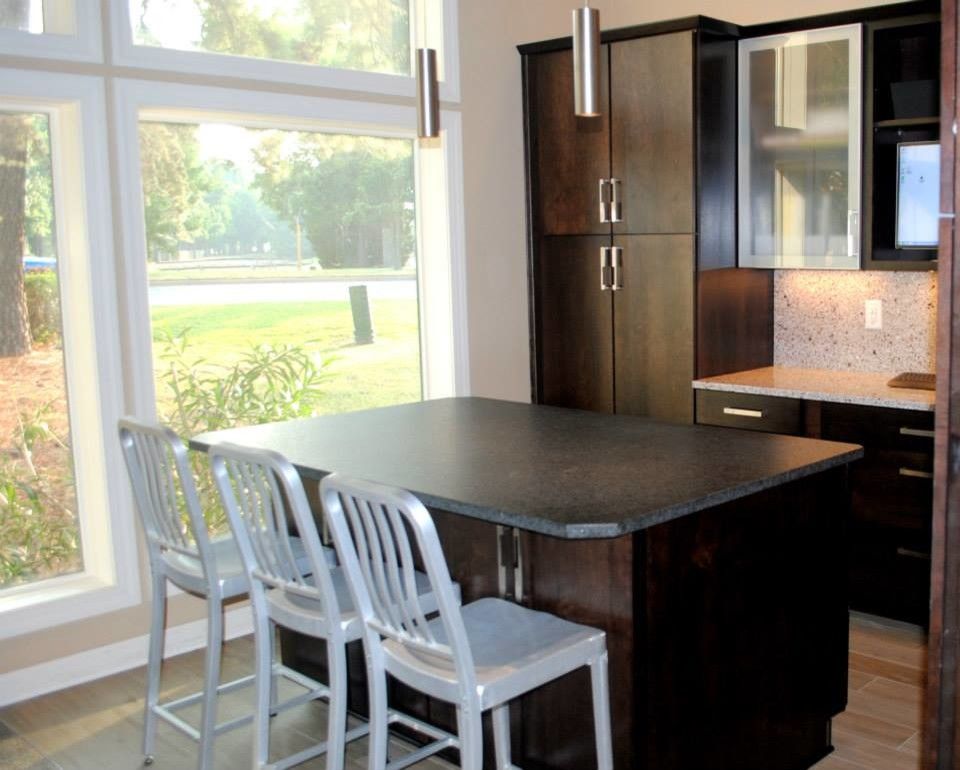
368,35
60,539
354,45
211,189
67,29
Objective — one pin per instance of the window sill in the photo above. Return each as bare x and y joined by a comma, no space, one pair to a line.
53,602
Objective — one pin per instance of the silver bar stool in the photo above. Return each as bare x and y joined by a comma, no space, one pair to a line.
477,657
259,488
182,552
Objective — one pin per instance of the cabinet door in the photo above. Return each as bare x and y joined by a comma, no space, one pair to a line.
651,132
799,138
568,155
574,324
653,327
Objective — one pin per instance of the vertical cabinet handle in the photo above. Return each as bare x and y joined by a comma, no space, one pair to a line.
606,265
616,205
617,281
853,233
604,202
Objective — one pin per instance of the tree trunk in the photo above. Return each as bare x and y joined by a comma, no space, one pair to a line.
14,323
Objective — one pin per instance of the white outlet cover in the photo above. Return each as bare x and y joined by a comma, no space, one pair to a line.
873,314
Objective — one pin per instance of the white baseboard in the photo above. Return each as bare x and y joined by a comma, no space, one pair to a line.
60,673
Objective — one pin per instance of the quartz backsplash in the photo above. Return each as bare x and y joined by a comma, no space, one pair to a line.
819,320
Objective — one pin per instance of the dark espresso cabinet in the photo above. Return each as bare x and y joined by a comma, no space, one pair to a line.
627,211
891,488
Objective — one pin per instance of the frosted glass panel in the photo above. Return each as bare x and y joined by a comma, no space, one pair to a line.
799,129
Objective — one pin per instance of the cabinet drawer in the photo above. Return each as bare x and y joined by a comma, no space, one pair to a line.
751,412
879,428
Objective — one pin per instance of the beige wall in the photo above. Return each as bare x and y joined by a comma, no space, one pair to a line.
495,224
493,156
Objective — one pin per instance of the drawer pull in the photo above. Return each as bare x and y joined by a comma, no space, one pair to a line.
916,432
915,474
733,411
913,554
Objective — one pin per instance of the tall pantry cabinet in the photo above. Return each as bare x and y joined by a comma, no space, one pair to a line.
628,213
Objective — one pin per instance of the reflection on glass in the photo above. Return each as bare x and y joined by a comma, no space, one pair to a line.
369,35
800,168
39,535
24,15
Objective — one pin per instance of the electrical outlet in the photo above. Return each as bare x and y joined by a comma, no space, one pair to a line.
873,314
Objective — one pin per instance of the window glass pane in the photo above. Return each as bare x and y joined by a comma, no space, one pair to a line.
39,535
282,271
369,35
24,15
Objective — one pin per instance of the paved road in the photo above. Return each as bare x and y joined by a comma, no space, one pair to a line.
278,291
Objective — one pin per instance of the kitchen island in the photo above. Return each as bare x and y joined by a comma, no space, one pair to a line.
713,558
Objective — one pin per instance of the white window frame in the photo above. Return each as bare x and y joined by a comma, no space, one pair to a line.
423,31
75,33
110,580
440,267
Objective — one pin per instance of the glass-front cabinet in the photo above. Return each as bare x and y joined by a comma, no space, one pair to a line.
799,140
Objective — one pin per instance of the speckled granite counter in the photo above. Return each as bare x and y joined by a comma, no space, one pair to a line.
866,388
561,472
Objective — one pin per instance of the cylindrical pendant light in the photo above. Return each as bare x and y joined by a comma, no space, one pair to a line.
586,62
428,94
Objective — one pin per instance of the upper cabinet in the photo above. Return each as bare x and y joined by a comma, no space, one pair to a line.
799,137
901,143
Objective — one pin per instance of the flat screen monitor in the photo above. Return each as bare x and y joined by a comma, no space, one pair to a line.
918,195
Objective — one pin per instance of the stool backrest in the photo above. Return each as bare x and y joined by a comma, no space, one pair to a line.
381,533
164,491
259,488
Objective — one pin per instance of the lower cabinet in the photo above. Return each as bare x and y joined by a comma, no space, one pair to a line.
891,488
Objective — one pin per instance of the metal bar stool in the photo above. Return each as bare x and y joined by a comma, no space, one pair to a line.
476,657
259,489
182,552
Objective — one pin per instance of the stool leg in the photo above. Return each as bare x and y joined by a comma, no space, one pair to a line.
154,663
377,687
337,716
471,737
263,641
501,735
211,680
601,711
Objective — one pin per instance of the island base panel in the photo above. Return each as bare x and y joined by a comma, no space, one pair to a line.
727,634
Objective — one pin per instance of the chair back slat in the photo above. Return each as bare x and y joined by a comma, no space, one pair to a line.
414,615
164,489
372,527
263,515
259,489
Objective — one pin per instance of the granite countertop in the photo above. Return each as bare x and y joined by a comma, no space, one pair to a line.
561,472
867,388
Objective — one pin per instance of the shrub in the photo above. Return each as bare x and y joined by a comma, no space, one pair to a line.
38,530
43,305
268,383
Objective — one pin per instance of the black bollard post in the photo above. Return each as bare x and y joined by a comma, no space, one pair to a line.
360,307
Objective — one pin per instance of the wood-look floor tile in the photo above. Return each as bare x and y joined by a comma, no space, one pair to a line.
834,762
886,733
886,704
856,678
912,745
900,643
889,669
875,756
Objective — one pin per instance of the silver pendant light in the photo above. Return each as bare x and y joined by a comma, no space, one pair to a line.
428,94
586,61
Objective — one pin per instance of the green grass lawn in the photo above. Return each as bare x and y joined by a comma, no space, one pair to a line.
360,376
